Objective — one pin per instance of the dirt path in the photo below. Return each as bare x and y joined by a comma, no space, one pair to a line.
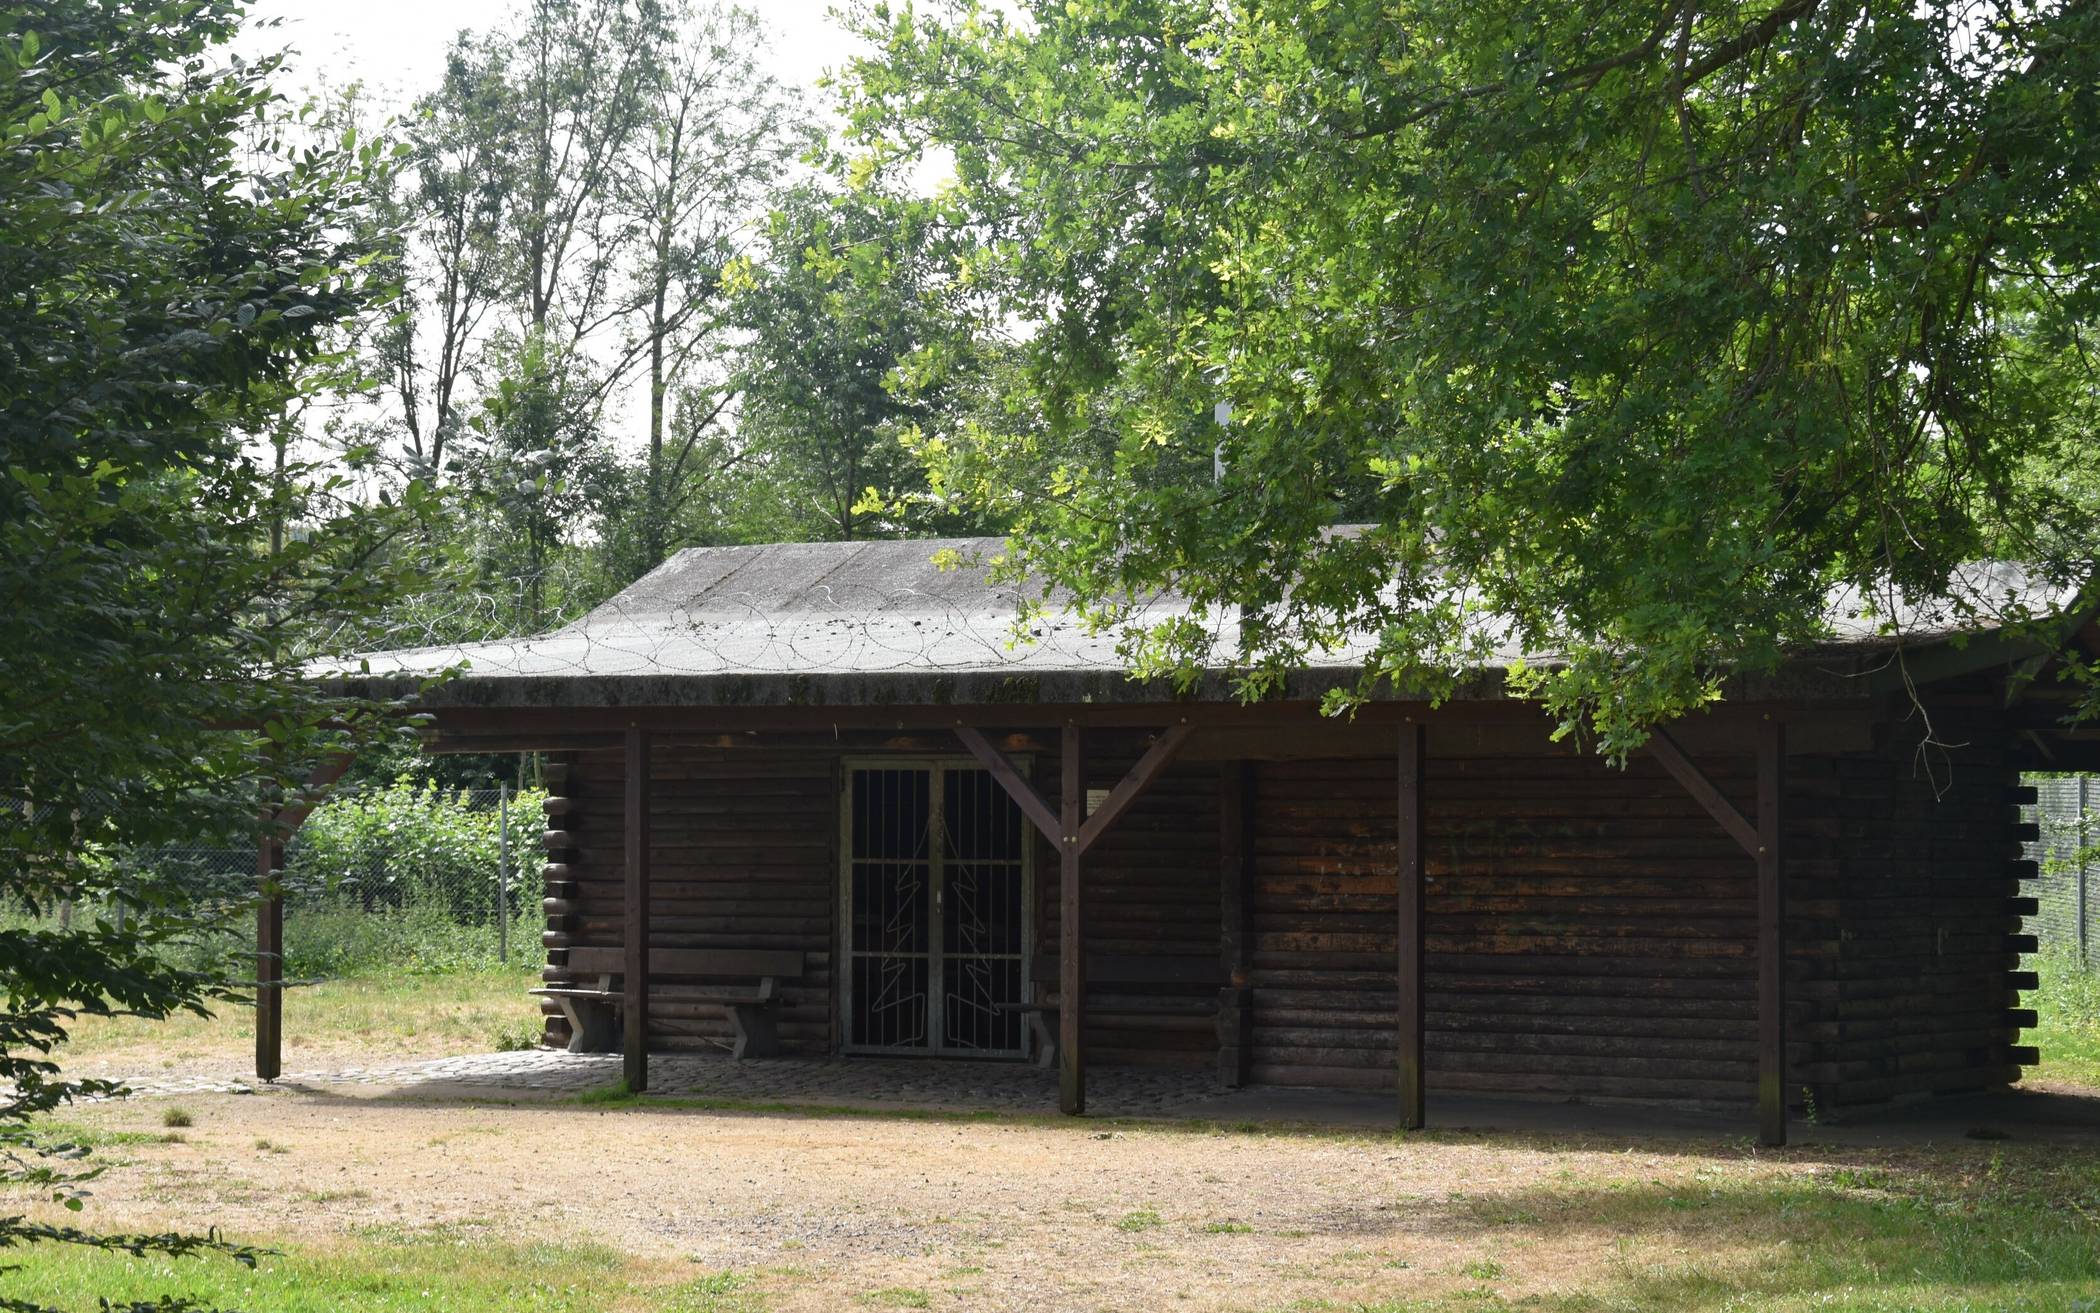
825,1210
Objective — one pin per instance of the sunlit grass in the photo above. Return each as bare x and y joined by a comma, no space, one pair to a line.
2067,1008
452,1268
382,1016
1990,1235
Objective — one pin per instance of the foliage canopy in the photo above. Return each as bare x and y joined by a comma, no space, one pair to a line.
177,257
1632,331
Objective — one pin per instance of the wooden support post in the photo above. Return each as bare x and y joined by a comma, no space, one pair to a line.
1072,833
269,960
634,1048
1410,878
1771,934
1763,842
1235,887
278,826
1071,962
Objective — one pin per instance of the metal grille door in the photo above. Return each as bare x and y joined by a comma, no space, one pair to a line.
983,905
890,900
936,905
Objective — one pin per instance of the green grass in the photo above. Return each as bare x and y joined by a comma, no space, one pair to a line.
90,1136
448,1268
2067,1008
1989,1235
424,940
378,1016
720,1292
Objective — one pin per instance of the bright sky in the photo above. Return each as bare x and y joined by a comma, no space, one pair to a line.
398,46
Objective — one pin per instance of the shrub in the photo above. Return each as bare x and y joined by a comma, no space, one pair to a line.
411,847
330,940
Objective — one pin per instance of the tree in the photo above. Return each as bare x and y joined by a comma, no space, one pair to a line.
542,470
578,81
851,334
177,264
719,133
1633,330
446,223
507,217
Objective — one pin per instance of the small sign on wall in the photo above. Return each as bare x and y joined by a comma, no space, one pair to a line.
1094,799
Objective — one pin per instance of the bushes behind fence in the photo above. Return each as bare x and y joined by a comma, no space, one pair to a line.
406,875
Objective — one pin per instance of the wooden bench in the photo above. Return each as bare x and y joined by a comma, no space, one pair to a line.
1104,974
593,1010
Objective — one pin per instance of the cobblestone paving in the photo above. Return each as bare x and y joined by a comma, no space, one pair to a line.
969,1086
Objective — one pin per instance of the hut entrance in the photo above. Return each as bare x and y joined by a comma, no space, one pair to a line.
934,897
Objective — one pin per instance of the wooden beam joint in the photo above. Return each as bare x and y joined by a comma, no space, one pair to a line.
1001,768
1673,759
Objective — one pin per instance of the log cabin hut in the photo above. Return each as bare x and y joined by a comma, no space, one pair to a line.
810,799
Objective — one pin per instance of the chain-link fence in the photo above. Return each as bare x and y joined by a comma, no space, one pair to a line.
2067,809
403,876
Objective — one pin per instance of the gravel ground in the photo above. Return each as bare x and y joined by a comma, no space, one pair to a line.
1008,1212
824,1210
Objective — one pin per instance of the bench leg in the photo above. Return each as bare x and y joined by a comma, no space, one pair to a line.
593,1027
1044,1025
756,1034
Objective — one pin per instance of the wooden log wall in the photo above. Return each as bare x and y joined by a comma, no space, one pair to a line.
1588,930
1151,887
744,855
1907,920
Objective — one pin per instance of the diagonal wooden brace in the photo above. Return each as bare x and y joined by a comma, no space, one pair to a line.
1031,803
1702,790
1136,782
1038,808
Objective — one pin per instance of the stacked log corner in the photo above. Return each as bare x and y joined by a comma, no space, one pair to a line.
1906,928
559,900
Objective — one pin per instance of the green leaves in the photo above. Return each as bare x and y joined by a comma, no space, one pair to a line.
1633,331
859,343
164,589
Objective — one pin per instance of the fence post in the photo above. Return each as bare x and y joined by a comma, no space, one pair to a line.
2080,850
503,872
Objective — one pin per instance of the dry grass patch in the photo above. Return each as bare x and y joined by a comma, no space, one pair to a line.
355,1021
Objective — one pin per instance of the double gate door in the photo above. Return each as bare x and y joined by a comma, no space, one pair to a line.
935,904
